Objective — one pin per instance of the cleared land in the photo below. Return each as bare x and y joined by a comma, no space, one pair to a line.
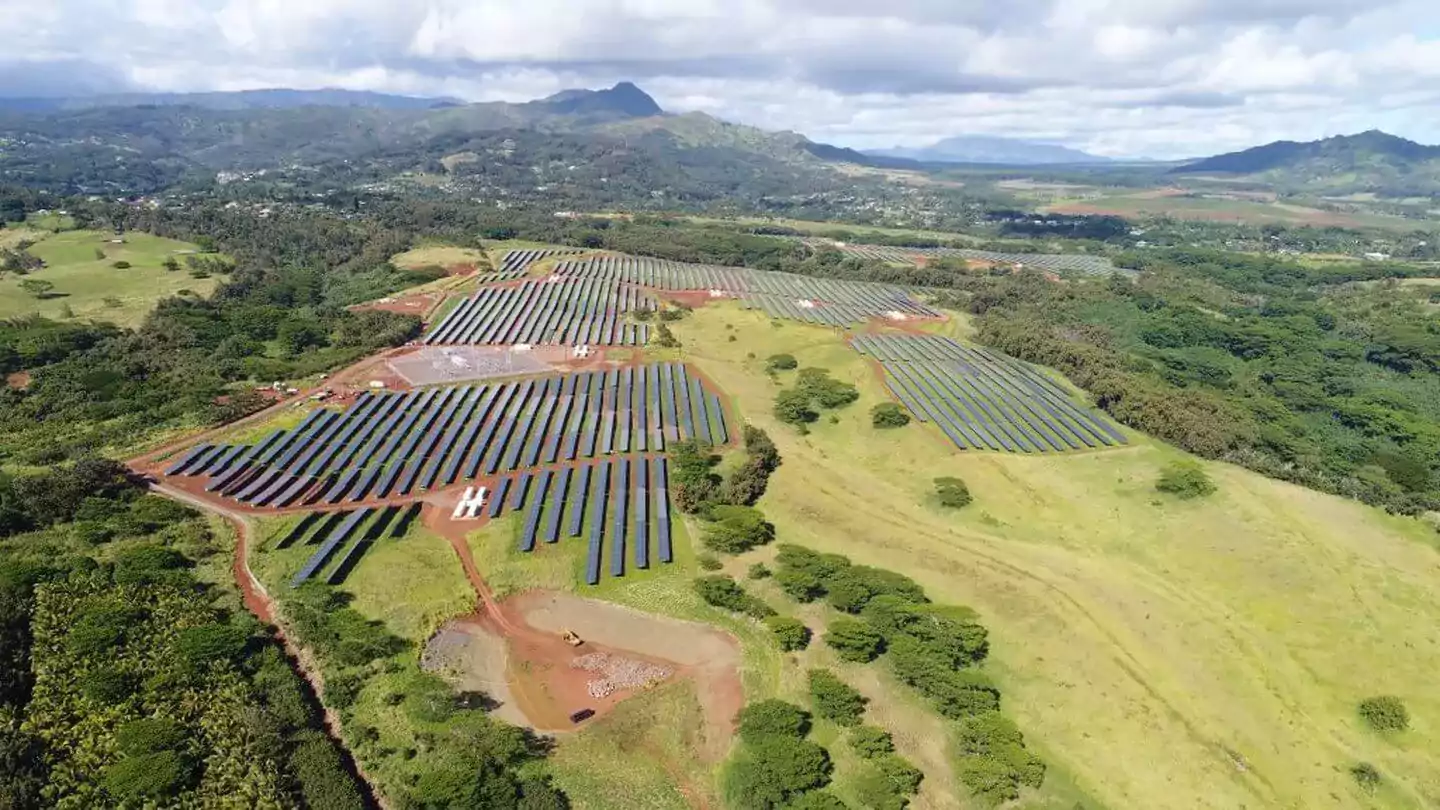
1222,208
94,288
1215,642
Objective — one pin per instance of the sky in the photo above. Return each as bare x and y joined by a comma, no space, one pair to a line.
1122,78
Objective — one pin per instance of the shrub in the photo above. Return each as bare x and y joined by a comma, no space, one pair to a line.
664,338
106,686
735,529
207,643
1185,480
149,735
1385,713
870,741
773,718
802,586
1366,776
854,640
817,800
792,407
150,776
759,571
428,699
710,562
790,633
834,699
952,492
889,783
889,415
723,592
121,265
781,362
816,384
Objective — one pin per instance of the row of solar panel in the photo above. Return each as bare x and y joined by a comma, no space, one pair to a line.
569,312
983,400
343,537
852,301
516,263
393,444
629,494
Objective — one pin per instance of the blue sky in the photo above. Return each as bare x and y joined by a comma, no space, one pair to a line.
1160,78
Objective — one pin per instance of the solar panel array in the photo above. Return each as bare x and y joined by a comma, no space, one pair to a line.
983,400
343,537
1059,263
516,263
832,302
568,311
391,444
622,504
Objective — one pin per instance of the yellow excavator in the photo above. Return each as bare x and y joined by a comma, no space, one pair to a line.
572,639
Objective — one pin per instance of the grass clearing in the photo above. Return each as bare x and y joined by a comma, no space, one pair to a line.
93,288
437,256
1222,633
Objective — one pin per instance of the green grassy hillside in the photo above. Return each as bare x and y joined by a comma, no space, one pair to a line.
1160,654
90,288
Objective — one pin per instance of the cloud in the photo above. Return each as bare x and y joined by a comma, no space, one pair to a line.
1121,77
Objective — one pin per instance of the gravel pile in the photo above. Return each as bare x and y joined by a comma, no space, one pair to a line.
618,673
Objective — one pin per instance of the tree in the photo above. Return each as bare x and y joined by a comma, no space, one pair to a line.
952,492
1385,713
170,265
1185,480
770,772
790,633
213,643
834,699
889,415
22,765
853,640
664,338
792,406
816,800
772,718
736,529
295,336
870,741
36,288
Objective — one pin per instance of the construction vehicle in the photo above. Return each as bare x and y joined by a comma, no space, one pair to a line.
572,639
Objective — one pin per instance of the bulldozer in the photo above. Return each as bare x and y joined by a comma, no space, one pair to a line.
573,639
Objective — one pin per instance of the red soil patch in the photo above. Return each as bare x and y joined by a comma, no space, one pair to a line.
416,304
19,380
461,269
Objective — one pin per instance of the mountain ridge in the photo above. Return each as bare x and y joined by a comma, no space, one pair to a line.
989,149
1369,161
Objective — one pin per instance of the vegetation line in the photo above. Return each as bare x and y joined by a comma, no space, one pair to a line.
259,602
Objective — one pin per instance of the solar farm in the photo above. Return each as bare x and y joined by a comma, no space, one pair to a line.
983,400
1058,263
580,455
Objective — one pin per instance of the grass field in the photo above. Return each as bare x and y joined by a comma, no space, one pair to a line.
93,289
438,255
1159,654
1222,209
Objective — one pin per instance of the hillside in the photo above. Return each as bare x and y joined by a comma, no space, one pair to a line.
144,144
1370,161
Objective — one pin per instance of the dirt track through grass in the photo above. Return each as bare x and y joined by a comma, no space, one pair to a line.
1222,644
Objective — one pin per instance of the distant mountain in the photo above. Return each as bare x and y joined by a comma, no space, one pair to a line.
277,99
619,138
624,99
1371,161
989,149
